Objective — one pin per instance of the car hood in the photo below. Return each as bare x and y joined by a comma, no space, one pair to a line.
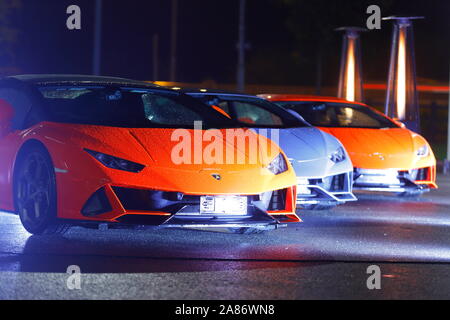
156,145
379,148
154,149
299,143
308,150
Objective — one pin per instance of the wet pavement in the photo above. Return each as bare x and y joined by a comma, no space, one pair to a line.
325,257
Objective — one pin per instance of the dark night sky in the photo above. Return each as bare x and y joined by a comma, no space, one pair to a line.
207,40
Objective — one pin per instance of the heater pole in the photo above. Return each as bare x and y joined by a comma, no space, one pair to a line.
402,100
447,160
350,75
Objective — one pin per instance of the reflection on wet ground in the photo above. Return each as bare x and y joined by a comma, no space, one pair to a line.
369,230
403,235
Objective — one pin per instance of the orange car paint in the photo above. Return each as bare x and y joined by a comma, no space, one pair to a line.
79,175
373,148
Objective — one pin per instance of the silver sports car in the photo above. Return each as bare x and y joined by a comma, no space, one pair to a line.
322,165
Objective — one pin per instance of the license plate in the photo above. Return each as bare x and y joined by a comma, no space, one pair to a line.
228,205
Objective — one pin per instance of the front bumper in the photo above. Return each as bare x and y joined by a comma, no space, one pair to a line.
332,189
122,206
393,180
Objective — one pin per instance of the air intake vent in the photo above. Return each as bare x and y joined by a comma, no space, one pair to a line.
337,183
419,174
278,201
97,204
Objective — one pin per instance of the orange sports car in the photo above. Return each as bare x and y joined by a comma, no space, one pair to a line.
92,150
386,155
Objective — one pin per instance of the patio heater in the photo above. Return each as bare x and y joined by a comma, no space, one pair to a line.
401,97
447,159
350,77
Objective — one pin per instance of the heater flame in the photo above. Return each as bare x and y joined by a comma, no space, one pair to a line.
351,68
401,76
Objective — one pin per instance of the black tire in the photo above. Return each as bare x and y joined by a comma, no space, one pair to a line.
35,191
247,230
318,206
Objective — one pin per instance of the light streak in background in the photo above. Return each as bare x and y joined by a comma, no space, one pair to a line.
438,89
401,75
351,69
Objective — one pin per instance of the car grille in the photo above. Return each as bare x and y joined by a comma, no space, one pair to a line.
416,174
331,184
174,202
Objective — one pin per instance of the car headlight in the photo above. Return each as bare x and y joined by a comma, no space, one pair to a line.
423,151
338,155
116,163
278,165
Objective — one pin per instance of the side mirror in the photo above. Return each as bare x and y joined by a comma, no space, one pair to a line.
6,116
399,123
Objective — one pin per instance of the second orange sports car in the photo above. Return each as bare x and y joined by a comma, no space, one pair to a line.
386,155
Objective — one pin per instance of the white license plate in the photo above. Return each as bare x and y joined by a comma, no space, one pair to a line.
229,205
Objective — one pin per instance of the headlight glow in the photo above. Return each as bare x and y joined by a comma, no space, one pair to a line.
423,151
278,165
338,155
116,163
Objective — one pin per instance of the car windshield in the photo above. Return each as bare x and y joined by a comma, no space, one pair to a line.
338,115
126,107
251,112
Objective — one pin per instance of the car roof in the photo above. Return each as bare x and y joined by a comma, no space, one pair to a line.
43,79
299,97
202,91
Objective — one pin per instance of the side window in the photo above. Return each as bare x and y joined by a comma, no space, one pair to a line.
254,114
21,104
224,105
350,117
317,114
